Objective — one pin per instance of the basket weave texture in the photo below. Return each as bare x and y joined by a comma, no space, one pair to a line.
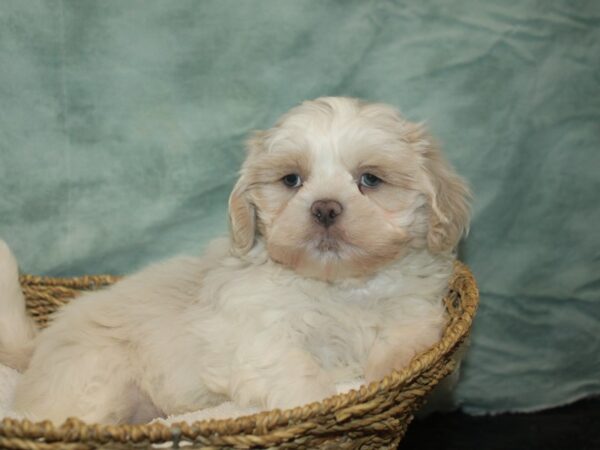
374,417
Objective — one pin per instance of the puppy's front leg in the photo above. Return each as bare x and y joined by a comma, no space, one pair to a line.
275,373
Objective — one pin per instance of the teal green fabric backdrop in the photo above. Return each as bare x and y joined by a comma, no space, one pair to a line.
122,126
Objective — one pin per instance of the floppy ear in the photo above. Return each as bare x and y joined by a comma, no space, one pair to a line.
448,195
242,219
242,213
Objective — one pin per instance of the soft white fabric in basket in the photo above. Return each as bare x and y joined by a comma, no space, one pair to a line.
9,378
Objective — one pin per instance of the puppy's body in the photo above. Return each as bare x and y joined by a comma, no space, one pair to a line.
291,305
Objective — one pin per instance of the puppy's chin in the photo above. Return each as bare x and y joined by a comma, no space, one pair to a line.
329,256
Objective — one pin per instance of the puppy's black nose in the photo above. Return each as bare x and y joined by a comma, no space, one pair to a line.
325,211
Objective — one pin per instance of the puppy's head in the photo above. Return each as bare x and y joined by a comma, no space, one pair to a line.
339,188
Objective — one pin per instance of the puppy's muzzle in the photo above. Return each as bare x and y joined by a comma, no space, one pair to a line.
325,212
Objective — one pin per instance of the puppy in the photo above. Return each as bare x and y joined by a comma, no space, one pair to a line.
343,224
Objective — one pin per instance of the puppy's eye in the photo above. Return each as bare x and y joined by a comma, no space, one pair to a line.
369,180
292,180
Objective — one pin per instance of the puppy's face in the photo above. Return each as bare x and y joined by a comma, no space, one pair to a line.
339,188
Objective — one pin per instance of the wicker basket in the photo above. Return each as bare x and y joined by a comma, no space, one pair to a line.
374,417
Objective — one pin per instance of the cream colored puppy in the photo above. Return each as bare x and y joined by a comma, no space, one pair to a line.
344,223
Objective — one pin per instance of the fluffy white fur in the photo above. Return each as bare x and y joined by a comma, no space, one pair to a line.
285,308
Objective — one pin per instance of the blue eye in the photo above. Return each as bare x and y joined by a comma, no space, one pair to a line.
370,180
292,180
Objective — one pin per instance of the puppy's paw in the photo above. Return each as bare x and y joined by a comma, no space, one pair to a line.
383,359
301,393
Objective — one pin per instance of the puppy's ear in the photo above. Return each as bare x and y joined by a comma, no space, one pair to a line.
242,213
242,218
448,195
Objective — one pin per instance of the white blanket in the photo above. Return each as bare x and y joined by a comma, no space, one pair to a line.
9,378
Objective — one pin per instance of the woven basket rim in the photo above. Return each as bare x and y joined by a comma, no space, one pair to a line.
263,422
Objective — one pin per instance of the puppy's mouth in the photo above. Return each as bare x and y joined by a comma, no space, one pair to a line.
330,240
328,244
